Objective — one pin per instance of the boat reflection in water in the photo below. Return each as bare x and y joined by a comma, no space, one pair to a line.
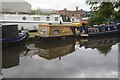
102,44
10,56
55,50
49,51
19,64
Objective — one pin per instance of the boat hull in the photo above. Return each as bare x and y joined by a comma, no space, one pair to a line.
13,42
54,39
106,33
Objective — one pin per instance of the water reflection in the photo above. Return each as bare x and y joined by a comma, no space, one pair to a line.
103,45
119,47
62,60
10,56
53,51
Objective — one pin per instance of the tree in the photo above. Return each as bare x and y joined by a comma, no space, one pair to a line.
104,49
104,11
39,12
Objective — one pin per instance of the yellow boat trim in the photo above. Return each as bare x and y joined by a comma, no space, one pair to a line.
84,40
77,24
83,35
65,25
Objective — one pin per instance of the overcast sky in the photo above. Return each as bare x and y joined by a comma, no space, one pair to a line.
59,4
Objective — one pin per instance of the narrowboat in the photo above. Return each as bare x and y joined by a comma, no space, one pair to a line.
100,31
33,20
56,31
11,35
22,18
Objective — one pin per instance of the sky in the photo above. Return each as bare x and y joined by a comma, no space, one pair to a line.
59,4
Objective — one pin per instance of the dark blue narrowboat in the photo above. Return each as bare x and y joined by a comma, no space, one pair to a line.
10,35
101,31
21,37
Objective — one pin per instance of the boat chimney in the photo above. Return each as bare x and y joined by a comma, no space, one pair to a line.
77,8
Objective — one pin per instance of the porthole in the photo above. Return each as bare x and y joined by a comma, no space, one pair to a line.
24,18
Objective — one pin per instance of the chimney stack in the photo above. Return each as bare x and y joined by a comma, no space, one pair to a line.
76,8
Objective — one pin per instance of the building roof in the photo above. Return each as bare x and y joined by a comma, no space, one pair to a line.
65,9
15,6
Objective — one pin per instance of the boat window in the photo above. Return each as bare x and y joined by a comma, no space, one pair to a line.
111,27
56,31
102,29
73,20
56,18
91,31
106,28
36,18
47,18
115,27
96,29
118,26
43,30
65,18
24,18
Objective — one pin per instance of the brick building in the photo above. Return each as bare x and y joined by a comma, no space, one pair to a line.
78,14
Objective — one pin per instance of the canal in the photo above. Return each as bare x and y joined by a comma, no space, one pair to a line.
82,58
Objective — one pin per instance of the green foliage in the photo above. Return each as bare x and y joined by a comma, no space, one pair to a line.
104,11
39,12
104,49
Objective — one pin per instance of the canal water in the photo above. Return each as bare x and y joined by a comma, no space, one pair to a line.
82,58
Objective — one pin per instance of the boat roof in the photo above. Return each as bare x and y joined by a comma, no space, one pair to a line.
85,18
109,25
56,15
103,26
54,25
9,24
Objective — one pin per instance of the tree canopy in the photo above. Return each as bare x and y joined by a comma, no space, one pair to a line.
39,12
104,49
104,11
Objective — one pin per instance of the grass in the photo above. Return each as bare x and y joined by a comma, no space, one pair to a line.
32,34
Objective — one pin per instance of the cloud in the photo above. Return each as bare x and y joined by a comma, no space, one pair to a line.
59,4
80,64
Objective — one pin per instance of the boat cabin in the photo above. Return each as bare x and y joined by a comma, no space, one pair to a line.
104,28
54,30
99,30
63,27
9,30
